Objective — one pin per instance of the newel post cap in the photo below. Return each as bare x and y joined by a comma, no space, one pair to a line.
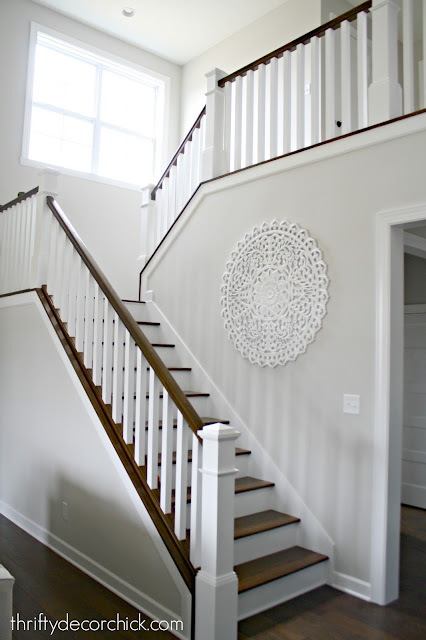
217,431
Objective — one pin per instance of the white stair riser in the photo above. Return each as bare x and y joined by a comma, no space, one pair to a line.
254,501
269,595
261,544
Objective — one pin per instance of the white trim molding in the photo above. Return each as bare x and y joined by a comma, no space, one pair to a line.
352,586
386,490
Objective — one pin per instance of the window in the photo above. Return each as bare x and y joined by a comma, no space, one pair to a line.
92,115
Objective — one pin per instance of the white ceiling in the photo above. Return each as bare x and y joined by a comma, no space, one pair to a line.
178,30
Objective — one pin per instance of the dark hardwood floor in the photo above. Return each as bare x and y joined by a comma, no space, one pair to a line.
328,614
45,583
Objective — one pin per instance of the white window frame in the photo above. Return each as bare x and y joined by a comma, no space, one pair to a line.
163,94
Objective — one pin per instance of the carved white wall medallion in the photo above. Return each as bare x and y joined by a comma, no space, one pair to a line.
274,293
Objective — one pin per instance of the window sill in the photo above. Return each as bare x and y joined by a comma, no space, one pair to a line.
81,174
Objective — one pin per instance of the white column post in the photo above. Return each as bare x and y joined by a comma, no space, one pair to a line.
213,161
148,224
216,584
6,610
385,93
41,230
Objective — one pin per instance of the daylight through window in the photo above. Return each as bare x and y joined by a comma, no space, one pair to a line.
93,115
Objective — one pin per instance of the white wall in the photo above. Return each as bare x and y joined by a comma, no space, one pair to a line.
295,411
107,217
275,29
51,451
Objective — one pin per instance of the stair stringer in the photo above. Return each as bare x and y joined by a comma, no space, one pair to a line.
285,497
114,582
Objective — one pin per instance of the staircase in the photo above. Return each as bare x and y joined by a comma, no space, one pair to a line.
237,553
270,565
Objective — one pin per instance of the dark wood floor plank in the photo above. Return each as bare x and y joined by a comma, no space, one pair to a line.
45,583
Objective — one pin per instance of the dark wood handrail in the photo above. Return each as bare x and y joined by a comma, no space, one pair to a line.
319,32
12,203
180,150
175,392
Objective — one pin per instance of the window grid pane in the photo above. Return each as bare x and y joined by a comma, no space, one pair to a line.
89,117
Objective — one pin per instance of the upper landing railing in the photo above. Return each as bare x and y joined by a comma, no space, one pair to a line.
357,70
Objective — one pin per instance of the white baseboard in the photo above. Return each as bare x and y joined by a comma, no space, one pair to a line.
352,586
105,577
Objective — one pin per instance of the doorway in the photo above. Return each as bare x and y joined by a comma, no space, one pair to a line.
389,380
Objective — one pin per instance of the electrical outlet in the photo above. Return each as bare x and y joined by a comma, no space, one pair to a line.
65,514
308,89
351,403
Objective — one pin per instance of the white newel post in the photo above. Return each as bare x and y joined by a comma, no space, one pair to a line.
48,186
216,584
213,161
148,223
385,93
6,611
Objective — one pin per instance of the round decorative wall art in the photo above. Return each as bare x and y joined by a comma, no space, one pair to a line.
274,293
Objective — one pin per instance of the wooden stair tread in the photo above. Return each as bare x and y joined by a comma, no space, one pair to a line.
238,452
255,573
241,484
162,344
148,323
205,421
189,394
261,521
134,301
247,483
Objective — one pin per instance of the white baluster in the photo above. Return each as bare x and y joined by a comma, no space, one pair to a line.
165,215
15,242
81,296
273,108
65,276
196,505
129,387
260,111
300,96
202,147
117,378
166,453
195,160
315,91
362,51
153,424
186,187
228,91
140,409
346,70
179,184
238,121
57,291
171,208
72,294
159,215
408,54
89,313
52,255
249,129
25,280
98,326
330,85
107,352
20,245
181,477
